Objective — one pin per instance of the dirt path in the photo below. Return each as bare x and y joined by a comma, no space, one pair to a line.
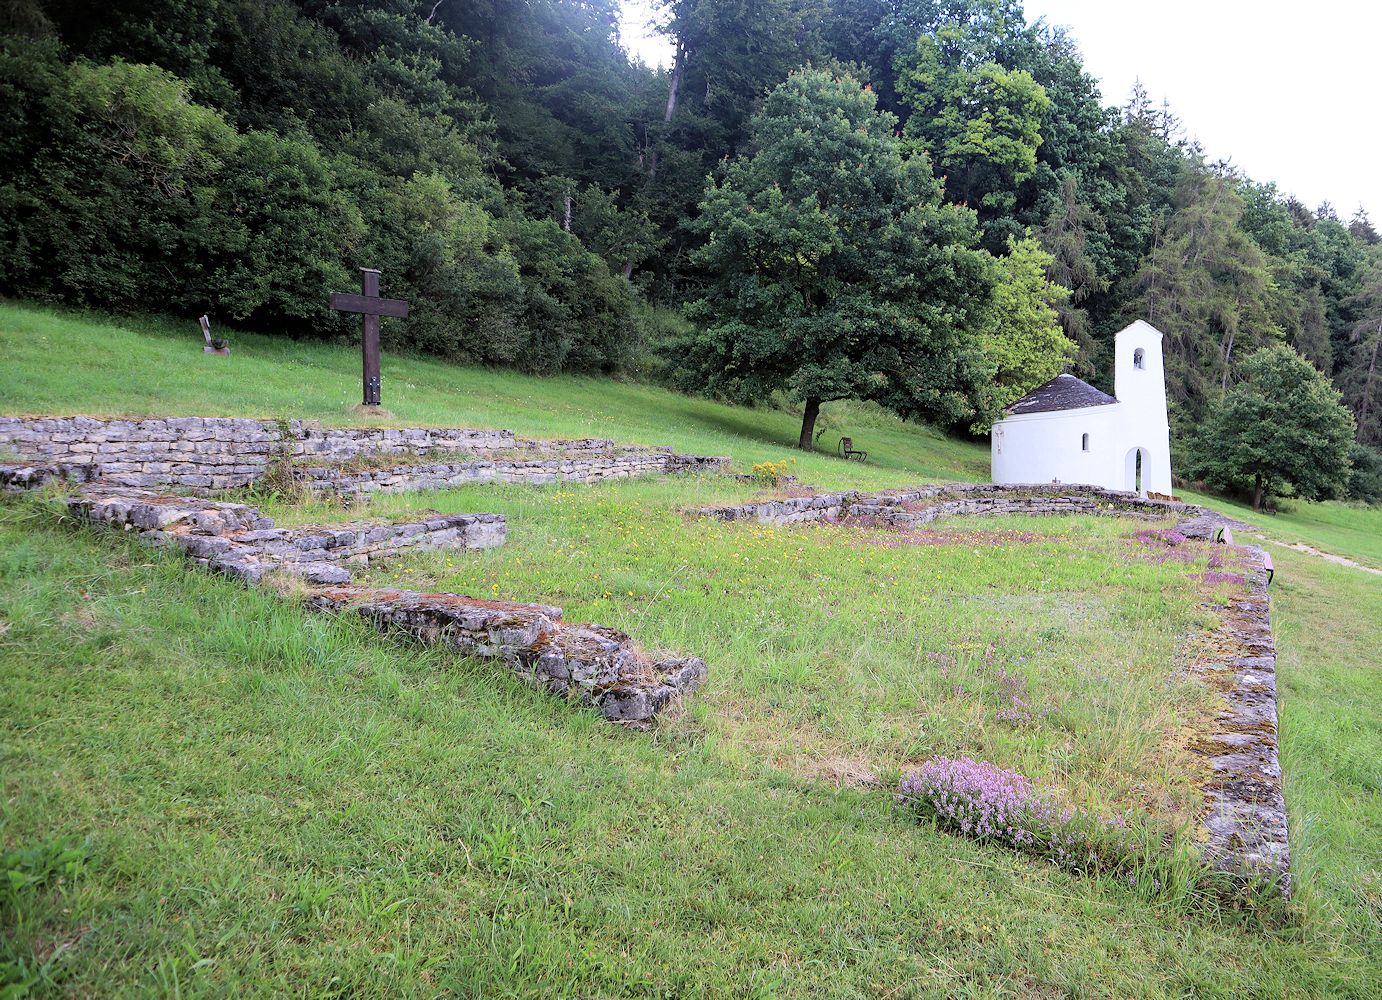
1328,557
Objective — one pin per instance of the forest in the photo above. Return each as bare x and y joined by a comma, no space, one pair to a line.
924,203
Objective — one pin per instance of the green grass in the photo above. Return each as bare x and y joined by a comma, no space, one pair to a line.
826,641
210,792
1353,531
269,802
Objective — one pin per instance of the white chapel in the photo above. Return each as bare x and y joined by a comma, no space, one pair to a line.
1068,431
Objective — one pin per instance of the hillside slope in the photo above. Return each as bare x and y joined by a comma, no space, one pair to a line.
67,362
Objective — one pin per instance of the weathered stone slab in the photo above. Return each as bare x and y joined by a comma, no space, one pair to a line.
17,476
595,666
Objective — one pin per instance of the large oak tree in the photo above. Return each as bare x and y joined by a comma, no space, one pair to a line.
834,270
1281,429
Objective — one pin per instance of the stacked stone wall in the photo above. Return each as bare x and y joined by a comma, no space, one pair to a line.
902,509
1244,825
200,454
239,541
616,464
188,452
593,665
590,664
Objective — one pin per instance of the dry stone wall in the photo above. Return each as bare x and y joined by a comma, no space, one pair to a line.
188,452
590,664
1244,825
200,454
903,509
594,665
239,541
623,463
1244,822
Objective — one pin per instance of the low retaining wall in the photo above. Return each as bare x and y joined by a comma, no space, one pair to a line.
594,665
902,509
624,463
217,453
239,541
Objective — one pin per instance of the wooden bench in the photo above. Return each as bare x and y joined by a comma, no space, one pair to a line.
846,451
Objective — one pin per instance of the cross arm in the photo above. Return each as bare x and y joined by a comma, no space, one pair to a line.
370,305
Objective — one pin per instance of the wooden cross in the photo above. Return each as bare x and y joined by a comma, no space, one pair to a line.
372,307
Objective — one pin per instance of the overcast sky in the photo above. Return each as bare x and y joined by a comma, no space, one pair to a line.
1290,93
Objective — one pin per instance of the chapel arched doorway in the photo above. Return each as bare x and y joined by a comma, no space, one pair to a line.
1136,468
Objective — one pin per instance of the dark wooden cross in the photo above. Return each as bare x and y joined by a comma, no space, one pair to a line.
372,307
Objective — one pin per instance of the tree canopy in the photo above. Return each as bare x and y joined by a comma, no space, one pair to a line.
1281,429
836,271
541,198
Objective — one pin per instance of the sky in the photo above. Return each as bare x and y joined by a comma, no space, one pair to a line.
1286,92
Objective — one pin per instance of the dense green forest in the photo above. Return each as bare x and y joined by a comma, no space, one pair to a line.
967,215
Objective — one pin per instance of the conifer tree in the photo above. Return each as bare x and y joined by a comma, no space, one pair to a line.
1207,286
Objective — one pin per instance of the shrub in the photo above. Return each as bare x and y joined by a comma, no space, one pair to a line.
980,800
769,473
988,803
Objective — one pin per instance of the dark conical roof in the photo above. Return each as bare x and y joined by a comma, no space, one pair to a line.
1064,392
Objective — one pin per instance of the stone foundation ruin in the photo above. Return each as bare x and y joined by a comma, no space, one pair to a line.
239,541
590,664
202,454
1244,823
596,666
904,509
114,461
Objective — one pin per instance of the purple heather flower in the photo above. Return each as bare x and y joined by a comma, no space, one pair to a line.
986,802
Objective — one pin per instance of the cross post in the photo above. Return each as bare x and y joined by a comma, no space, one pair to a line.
371,307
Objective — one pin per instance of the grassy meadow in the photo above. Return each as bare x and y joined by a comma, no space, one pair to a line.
210,792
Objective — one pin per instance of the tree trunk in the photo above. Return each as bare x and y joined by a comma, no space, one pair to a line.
1228,359
673,92
1366,402
808,424
1257,494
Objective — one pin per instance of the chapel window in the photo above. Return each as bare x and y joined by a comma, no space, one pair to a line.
1084,442
1137,356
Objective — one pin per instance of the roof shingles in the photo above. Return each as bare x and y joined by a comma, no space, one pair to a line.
1064,392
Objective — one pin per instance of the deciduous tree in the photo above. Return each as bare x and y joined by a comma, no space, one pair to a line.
834,269
1282,428
1022,339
